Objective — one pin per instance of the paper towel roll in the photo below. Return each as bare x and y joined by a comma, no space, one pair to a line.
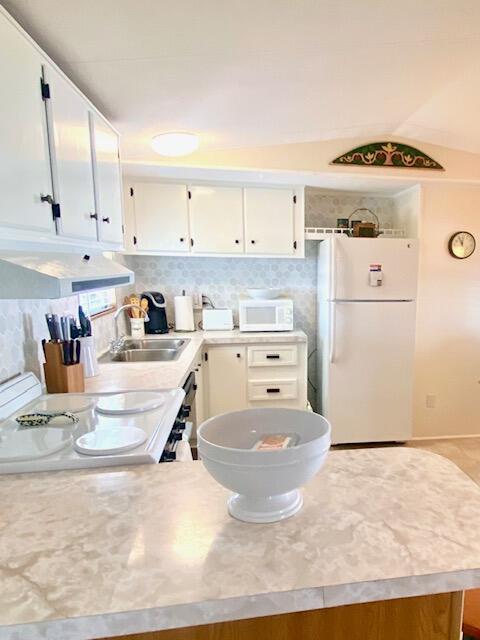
184,313
183,453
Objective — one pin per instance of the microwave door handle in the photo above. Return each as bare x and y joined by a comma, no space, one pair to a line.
332,330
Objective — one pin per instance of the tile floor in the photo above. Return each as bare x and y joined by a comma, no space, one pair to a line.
464,452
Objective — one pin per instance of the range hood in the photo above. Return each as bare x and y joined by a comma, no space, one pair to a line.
57,275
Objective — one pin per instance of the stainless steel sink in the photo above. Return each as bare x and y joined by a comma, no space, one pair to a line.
152,343
147,350
145,355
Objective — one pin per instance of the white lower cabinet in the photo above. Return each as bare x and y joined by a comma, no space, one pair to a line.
227,379
273,390
255,375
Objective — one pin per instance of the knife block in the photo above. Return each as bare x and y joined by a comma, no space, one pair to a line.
61,378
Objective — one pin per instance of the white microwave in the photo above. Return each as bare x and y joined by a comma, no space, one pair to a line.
265,315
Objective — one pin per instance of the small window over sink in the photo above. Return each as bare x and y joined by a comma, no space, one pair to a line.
98,302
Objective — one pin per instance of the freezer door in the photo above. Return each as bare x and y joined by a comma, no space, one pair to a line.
370,371
351,260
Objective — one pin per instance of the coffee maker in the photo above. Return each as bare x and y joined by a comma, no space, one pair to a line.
156,312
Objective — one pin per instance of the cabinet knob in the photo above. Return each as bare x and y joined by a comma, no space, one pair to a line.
107,220
252,241
182,239
237,241
47,198
239,355
93,216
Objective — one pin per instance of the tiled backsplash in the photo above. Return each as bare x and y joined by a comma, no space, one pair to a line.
323,208
22,327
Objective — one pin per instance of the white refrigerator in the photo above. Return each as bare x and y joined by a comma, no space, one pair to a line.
366,337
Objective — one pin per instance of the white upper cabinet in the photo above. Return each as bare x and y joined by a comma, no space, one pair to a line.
269,221
161,217
107,180
24,163
216,219
59,166
71,158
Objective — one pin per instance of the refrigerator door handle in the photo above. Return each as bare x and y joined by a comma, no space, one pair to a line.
333,270
333,330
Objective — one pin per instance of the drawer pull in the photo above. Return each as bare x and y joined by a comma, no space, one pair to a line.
273,356
273,390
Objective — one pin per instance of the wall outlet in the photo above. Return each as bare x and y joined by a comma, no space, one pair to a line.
197,300
431,401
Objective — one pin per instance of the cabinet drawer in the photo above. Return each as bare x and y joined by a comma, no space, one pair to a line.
272,389
273,357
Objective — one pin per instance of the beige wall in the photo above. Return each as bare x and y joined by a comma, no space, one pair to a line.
316,157
447,362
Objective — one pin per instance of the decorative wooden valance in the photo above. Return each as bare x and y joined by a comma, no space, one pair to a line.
388,154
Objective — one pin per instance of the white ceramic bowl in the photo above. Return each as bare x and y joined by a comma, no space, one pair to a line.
264,294
265,482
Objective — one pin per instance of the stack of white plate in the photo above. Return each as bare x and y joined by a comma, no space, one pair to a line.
264,294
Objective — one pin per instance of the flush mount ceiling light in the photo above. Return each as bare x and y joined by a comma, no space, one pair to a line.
175,143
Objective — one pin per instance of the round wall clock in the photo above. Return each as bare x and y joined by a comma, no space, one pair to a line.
461,245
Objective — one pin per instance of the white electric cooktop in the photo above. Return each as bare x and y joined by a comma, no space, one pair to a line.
130,427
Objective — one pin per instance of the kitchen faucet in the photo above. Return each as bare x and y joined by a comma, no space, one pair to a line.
122,308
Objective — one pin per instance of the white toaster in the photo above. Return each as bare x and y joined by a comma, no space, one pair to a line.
217,319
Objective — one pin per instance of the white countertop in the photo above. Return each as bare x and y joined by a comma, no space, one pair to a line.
116,376
88,554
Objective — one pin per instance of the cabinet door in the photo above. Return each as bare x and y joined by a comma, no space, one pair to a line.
269,221
161,216
227,379
216,219
71,158
107,180
24,162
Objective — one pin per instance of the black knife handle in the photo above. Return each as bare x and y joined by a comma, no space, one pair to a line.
66,353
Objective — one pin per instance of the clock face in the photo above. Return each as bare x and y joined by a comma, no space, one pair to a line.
461,245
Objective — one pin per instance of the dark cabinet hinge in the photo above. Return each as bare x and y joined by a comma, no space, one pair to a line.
206,357
45,89
56,210
131,191
189,194
134,239
191,242
294,199
294,244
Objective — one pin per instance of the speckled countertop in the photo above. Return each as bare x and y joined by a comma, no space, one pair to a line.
90,554
168,375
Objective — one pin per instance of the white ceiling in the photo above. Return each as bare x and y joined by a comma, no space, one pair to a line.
246,73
